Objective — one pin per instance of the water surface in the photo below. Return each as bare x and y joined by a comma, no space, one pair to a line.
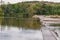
15,33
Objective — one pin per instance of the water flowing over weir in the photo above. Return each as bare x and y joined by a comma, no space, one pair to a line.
49,32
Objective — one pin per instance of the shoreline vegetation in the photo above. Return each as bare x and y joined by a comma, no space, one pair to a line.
55,16
55,25
23,12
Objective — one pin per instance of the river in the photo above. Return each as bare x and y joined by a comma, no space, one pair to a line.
11,30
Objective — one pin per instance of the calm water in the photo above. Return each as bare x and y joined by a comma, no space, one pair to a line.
15,33
19,29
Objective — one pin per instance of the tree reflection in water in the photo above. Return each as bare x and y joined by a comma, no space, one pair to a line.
27,23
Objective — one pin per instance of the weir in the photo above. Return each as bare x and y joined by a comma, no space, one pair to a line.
47,32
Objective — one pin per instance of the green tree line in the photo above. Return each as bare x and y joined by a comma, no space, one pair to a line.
28,9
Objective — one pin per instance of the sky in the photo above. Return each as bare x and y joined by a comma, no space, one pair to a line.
15,1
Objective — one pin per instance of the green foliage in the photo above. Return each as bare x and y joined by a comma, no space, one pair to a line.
55,25
30,9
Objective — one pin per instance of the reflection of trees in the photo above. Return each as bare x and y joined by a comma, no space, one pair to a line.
6,16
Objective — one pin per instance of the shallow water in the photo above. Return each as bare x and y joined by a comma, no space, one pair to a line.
14,33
